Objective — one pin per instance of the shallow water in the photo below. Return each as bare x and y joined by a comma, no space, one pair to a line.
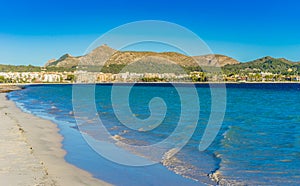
258,143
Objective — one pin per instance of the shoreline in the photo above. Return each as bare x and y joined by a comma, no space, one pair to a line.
5,88
32,152
8,87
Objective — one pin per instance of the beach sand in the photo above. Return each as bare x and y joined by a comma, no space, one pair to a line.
31,153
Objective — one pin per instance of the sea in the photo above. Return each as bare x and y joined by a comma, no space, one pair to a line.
256,140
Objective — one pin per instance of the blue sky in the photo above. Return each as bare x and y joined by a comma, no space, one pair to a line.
32,32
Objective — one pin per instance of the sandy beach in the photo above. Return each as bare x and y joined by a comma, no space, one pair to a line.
31,152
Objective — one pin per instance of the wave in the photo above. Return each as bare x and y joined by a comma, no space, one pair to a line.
187,169
217,177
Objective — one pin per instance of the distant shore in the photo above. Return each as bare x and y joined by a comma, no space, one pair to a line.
4,88
31,152
7,87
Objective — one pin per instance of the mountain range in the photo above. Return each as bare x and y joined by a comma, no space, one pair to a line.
110,58
104,55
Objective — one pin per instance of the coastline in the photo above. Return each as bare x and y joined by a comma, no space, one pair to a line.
32,152
4,88
7,87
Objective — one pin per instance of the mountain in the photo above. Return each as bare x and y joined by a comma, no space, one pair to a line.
66,61
216,60
105,56
113,61
265,64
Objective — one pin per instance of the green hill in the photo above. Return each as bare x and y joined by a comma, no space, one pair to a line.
30,68
265,64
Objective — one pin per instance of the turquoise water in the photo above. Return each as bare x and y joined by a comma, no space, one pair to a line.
258,143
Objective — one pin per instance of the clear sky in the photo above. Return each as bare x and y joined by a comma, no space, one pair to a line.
34,31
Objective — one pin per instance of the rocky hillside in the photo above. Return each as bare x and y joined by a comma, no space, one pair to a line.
66,61
216,60
105,56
